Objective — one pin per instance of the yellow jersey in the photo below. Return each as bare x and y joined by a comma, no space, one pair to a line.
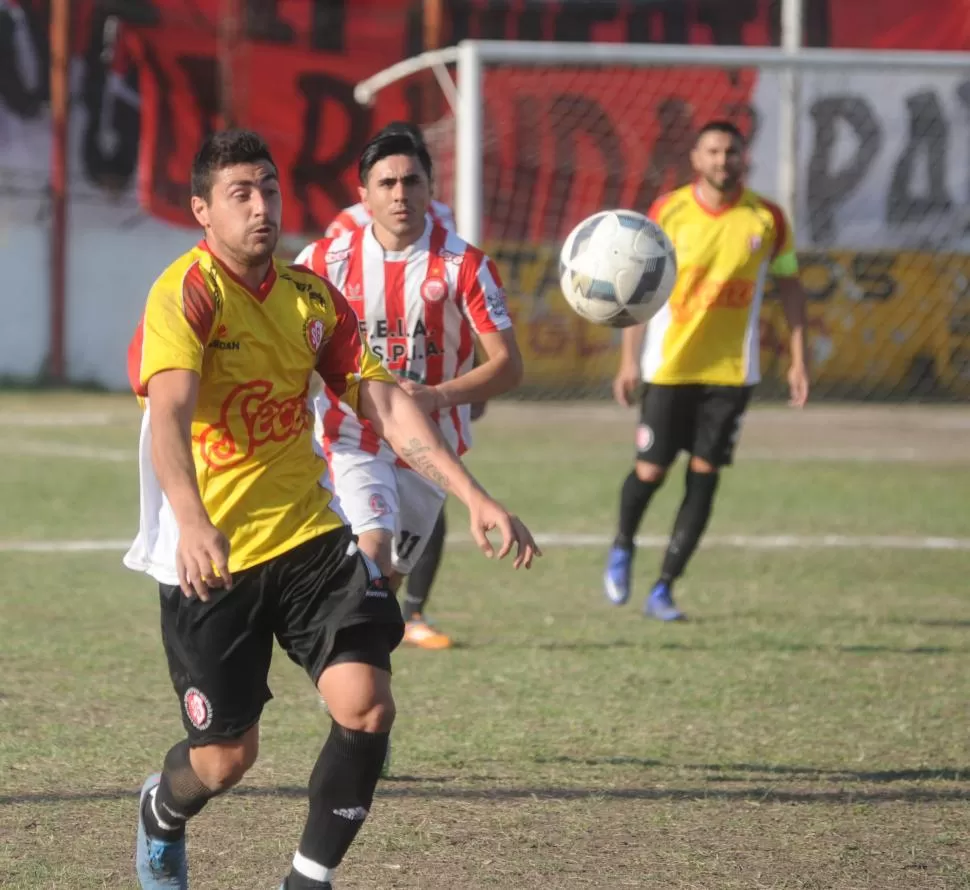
708,331
254,351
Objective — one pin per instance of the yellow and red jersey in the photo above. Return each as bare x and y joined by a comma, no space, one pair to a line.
254,352
707,332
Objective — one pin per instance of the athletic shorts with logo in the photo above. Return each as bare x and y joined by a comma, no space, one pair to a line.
315,600
372,492
704,421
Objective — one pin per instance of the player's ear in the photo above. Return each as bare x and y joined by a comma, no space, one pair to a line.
362,192
200,210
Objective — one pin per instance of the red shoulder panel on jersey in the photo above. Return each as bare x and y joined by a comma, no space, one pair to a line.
340,354
781,227
657,207
134,360
198,307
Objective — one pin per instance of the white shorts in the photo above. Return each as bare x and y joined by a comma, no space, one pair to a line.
372,493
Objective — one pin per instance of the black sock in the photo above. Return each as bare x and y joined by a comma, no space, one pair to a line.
634,497
695,511
179,796
423,574
341,792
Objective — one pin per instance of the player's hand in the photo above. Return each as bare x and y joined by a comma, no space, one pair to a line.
202,559
625,384
488,515
427,397
798,385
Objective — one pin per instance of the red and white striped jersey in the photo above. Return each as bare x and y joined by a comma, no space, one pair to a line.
420,310
350,219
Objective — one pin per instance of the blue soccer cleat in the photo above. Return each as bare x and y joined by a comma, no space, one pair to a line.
616,578
160,865
660,604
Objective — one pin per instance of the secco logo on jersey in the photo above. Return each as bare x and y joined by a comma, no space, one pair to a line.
198,708
434,290
313,331
248,419
697,294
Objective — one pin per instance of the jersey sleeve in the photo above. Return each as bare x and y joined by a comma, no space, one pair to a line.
345,359
313,257
175,329
656,208
784,263
483,296
342,223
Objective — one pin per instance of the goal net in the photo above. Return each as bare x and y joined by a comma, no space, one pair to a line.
870,152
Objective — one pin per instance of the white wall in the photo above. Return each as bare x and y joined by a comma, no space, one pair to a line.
109,273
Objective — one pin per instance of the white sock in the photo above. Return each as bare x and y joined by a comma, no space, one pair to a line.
312,870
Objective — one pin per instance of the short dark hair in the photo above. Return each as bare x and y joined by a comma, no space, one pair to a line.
393,140
406,127
721,126
225,148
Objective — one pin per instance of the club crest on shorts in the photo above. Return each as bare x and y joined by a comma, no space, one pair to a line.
378,505
754,243
197,707
313,331
644,437
433,290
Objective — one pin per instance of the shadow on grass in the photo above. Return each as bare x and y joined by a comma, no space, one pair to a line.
758,793
766,645
927,774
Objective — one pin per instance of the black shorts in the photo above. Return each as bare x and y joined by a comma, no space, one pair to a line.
313,599
701,420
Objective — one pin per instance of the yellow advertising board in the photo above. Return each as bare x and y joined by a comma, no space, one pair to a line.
877,320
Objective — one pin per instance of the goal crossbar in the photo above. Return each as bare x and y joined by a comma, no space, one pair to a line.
470,57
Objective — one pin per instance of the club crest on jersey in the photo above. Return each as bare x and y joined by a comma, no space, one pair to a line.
434,290
313,331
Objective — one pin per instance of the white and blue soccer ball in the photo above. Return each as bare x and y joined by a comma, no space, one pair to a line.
617,268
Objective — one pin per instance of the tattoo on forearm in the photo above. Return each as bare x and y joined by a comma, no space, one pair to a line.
418,455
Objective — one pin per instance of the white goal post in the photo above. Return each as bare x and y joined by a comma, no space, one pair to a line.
472,56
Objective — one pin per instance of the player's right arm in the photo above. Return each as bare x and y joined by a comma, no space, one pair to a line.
166,366
628,377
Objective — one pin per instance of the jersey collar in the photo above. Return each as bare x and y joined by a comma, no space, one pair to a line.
372,245
710,211
262,292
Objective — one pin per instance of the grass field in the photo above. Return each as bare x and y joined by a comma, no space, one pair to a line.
809,728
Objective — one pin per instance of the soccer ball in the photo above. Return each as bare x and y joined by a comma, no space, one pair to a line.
617,268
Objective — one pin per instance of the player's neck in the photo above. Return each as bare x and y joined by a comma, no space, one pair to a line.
251,276
395,243
716,199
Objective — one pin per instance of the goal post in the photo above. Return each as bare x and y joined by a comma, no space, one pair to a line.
868,156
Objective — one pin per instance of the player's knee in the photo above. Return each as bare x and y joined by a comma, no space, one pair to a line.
358,691
647,472
374,714
700,465
223,765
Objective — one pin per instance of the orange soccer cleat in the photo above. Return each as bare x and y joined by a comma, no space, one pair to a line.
417,632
